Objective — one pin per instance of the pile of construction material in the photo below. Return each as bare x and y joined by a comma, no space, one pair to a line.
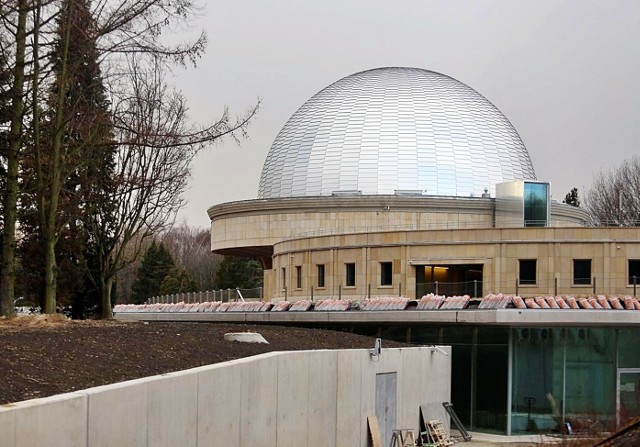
599,302
386,303
433,302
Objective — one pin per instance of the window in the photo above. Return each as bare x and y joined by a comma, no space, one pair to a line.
350,274
634,271
298,277
582,272
536,204
320,275
527,275
386,273
284,278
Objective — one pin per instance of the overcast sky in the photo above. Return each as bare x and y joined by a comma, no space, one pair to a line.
565,73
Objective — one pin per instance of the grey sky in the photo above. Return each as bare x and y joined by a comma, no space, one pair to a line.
565,73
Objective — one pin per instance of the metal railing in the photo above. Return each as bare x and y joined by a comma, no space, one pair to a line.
223,295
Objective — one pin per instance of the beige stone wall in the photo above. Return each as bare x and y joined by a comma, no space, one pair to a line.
408,231
255,223
497,250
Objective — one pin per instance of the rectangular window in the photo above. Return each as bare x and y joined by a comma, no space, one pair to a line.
350,268
284,278
634,271
386,273
320,275
582,272
298,277
527,272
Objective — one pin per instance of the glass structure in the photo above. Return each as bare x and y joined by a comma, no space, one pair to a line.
390,129
536,204
525,380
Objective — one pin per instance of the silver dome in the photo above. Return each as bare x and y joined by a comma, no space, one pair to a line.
390,129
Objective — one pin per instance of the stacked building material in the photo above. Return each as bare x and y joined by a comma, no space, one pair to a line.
385,303
301,306
333,305
498,301
431,302
456,302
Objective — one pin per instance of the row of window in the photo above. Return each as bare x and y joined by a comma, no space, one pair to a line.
386,275
582,276
527,273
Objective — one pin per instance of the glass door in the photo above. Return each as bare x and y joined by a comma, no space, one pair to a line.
628,395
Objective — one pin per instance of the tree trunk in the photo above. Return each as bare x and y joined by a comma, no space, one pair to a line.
49,276
7,266
49,191
106,285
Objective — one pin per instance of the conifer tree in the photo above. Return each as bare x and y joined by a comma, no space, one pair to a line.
237,272
155,266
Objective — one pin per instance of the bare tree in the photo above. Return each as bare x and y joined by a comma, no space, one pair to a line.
153,133
191,250
614,196
156,147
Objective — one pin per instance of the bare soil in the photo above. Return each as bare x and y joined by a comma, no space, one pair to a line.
46,355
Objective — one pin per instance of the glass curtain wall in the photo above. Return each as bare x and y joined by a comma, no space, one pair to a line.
564,379
479,372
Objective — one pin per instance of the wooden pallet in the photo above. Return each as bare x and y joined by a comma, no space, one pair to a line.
438,434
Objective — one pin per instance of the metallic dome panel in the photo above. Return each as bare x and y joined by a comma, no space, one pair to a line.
390,129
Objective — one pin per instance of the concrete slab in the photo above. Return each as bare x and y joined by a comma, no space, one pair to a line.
7,425
409,395
52,421
293,389
322,409
349,392
219,390
257,401
117,414
172,410
436,390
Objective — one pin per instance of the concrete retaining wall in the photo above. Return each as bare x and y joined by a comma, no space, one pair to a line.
303,398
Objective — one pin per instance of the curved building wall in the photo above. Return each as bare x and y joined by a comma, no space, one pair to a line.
252,227
495,252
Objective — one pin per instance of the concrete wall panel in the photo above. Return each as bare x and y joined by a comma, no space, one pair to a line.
7,425
411,389
435,364
323,389
258,402
349,392
117,415
293,391
218,421
310,398
172,410
53,421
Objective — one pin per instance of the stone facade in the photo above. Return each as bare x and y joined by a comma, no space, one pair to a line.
294,236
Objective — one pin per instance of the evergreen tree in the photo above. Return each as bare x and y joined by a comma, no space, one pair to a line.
155,266
178,281
242,273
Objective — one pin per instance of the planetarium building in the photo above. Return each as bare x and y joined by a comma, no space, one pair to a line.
406,182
